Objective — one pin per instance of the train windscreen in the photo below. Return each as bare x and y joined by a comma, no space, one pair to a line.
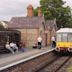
62,37
58,37
70,37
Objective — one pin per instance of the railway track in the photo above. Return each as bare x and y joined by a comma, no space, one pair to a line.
42,62
56,65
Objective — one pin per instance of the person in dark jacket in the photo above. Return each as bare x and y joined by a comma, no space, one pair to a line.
39,42
53,42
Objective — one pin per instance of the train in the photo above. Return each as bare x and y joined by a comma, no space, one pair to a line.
64,40
10,36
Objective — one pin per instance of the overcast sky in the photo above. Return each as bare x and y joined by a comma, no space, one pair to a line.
11,8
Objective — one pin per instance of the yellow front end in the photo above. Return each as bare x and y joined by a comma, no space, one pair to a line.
64,45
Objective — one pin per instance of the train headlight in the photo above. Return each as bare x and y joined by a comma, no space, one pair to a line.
70,49
58,49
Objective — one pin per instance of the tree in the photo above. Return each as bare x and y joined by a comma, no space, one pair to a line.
69,24
56,9
1,27
36,11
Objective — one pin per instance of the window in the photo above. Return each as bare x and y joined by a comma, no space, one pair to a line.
70,37
64,37
58,37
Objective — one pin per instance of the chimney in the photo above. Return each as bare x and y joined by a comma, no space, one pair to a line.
30,12
39,12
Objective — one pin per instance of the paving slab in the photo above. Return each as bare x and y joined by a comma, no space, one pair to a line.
12,58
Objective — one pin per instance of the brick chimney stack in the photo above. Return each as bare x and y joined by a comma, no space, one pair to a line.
39,12
30,12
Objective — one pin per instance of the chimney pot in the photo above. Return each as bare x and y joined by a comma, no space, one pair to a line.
30,12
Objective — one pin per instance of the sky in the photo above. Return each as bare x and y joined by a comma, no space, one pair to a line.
12,8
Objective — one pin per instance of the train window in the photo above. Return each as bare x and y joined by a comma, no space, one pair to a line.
64,37
70,37
58,37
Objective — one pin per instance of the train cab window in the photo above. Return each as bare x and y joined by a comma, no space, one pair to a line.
64,38
70,37
58,37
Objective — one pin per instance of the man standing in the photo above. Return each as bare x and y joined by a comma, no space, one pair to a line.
53,42
39,42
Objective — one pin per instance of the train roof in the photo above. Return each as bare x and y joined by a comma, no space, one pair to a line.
64,30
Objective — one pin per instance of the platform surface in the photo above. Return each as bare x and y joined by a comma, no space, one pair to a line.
6,59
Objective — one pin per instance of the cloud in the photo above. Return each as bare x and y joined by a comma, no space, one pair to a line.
68,3
9,8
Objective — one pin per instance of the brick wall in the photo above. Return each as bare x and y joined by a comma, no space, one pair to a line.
29,36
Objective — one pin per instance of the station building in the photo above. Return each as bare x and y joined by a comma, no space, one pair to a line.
32,26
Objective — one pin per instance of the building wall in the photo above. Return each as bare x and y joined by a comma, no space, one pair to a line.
29,37
53,33
49,38
43,39
48,35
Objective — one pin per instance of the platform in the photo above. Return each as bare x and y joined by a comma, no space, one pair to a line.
13,59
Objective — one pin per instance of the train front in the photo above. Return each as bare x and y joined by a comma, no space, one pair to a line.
64,41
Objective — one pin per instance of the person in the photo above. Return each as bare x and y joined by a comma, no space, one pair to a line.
35,46
53,42
14,46
39,42
22,47
7,46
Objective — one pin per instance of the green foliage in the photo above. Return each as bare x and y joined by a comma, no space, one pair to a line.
55,9
69,24
1,27
36,11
